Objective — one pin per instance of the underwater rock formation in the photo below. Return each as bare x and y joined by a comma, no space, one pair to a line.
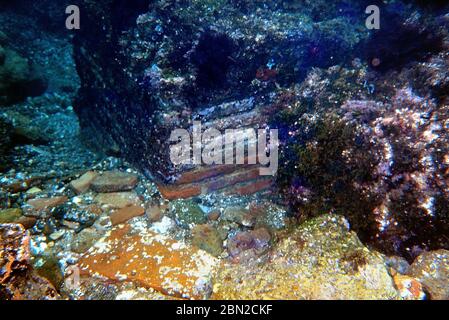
162,69
374,153
432,270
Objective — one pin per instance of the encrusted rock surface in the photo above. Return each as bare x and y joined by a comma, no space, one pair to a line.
321,259
152,261
18,280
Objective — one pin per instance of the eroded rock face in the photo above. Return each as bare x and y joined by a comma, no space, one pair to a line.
322,259
18,280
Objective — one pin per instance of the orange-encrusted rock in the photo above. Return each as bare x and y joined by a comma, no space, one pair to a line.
82,184
123,215
150,260
409,288
18,280
114,181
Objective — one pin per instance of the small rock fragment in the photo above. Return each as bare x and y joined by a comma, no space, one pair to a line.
57,235
27,222
118,200
85,240
10,215
239,215
114,181
187,213
125,214
214,215
248,245
82,184
155,213
409,288
34,190
42,204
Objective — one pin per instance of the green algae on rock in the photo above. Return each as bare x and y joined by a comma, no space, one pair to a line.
187,213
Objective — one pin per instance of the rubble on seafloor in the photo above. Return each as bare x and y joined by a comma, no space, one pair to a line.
180,252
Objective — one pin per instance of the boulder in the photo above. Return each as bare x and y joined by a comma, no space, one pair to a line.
432,270
321,259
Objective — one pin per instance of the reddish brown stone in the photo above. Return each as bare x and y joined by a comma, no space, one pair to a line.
251,188
40,204
27,222
249,244
204,173
214,215
230,180
409,288
179,192
82,184
125,214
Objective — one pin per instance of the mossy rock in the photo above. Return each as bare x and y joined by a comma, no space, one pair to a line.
187,213
10,215
52,272
208,239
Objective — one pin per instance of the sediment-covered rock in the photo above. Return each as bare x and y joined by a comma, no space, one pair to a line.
114,181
